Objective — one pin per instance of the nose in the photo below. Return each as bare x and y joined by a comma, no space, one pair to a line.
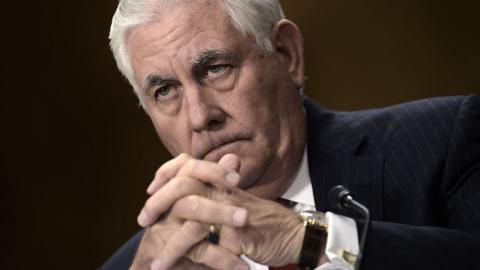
204,112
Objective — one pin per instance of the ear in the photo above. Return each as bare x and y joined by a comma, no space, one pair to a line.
287,41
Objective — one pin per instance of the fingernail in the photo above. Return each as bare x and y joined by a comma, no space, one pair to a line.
241,267
142,218
152,186
240,217
233,178
156,265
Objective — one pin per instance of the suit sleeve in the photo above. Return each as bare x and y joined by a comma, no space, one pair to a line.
455,242
123,258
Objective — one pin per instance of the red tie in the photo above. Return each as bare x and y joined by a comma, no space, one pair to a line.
286,267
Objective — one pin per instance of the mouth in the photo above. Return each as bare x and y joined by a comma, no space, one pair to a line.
224,147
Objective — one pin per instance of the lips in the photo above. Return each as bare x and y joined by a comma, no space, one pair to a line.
216,147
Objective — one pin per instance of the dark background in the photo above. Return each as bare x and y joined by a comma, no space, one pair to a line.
77,152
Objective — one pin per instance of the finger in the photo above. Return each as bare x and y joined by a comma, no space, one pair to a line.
230,161
185,165
201,209
179,244
162,200
209,172
167,171
231,239
185,263
216,257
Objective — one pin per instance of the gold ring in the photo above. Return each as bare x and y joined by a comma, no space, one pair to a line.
212,228
213,236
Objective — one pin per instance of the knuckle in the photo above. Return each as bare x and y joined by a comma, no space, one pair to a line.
183,157
197,254
159,172
152,206
216,259
190,166
193,203
184,185
149,205
187,206
193,230
168,251
156,231
177,183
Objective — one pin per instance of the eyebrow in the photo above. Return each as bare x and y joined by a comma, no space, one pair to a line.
153,80
198,64
209,56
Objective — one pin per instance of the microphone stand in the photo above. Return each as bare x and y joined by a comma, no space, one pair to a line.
340,199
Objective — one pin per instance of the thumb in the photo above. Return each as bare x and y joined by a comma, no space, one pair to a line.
230,161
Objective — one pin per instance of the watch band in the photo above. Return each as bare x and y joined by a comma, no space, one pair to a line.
313,241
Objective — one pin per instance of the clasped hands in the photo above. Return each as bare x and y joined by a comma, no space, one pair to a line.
187,194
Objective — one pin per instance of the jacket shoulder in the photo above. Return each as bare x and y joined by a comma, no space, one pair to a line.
430,120
406,122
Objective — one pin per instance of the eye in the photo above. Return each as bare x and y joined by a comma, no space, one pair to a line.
165,93
217,68
217,71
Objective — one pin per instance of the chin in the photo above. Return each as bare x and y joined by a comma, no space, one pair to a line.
254,179
263,191
260,187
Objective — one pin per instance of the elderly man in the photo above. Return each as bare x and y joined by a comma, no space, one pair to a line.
222,81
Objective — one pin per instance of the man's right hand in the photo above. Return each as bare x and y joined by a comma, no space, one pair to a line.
156,237
192,190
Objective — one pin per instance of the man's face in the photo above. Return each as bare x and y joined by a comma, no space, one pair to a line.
210,91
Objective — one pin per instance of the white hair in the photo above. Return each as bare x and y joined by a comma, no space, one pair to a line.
254,18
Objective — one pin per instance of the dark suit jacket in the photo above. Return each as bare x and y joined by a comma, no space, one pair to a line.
416,166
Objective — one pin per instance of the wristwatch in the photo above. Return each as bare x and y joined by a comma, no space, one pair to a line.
316,230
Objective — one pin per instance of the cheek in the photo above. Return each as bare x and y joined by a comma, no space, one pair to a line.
263,103
171,133
256,100
259,115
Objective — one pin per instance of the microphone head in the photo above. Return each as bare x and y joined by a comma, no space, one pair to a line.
336,197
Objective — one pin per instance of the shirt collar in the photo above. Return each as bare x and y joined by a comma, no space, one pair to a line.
300,191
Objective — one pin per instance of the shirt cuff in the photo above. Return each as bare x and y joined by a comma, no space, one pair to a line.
342,243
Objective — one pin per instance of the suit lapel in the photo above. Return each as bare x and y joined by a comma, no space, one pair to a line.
339,154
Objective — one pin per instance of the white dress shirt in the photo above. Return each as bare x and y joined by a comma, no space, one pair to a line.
342,231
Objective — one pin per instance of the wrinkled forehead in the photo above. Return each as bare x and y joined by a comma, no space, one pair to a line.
185,29
181,35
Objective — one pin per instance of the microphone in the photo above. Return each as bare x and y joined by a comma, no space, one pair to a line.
340,198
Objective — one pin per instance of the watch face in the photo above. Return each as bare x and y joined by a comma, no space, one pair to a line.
314,218
315,214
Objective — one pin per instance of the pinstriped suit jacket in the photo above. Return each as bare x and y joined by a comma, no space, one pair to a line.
416,166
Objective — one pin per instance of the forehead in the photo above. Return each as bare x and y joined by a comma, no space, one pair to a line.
182,33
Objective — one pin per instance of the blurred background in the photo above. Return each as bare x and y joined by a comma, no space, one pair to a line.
77,152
